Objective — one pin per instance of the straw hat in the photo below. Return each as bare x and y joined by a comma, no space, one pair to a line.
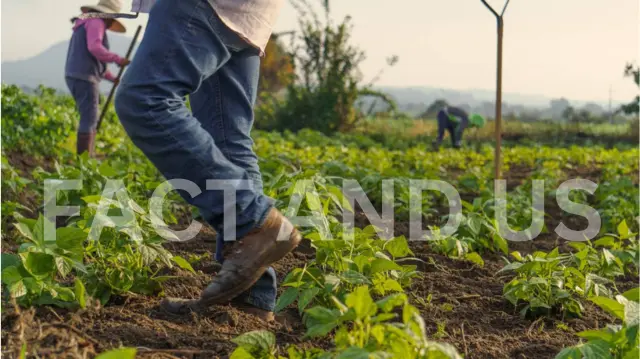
107,7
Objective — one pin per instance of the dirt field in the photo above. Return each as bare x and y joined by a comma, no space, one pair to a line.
461,303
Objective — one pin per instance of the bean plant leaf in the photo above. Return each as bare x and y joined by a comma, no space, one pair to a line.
596,349
606,241
306,297
320,330
149,254
361,303
474,258
122,353
387,304
65,294
136,207
500,243
392,285
183,263
609,305
92,199
106,170
510,267
383,265
120,279
313,201
37,264
632,354
353,353
632,313
343,201
569,353
596,335
38,230
360,262
398,247
623,230
262,341
241,353
608,257
63,265
355,278
23,351
70,238
632,294
288,297
517,255
24,230
322,314
9,260
80,293
11,275
18,289
538,303
474,224
167,234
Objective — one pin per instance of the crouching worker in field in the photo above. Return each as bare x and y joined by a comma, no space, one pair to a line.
455,120
210,51
86,66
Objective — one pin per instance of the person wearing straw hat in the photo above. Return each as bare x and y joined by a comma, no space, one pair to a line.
86,65
455,120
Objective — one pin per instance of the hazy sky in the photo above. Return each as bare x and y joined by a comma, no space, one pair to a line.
571,48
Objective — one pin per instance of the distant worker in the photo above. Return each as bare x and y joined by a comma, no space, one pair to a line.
455,120
86,66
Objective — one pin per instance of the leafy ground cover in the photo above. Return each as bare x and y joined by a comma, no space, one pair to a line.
470,294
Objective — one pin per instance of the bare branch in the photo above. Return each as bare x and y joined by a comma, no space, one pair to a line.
504,8
490,8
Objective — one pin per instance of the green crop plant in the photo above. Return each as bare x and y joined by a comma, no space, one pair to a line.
13,184
126,257
36,274
363,328
547,283
623,246
619,341
342,264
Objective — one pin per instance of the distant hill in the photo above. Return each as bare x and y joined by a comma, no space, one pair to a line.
47,68
414,96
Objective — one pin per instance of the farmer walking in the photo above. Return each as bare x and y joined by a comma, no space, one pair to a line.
86,66
455,120
210,51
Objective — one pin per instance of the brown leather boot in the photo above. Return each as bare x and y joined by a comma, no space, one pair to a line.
265,315
248,259
85,143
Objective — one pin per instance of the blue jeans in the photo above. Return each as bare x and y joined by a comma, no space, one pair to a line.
87,97
188,51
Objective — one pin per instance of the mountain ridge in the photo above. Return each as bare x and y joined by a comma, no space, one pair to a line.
47,68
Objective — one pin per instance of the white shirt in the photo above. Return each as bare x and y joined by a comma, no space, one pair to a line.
252,19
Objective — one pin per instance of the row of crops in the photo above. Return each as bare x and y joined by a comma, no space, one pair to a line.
355,290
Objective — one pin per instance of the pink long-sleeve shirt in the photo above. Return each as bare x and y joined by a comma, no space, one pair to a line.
96,30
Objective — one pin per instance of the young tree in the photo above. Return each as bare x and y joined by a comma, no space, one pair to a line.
276,68
634,106
327,85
